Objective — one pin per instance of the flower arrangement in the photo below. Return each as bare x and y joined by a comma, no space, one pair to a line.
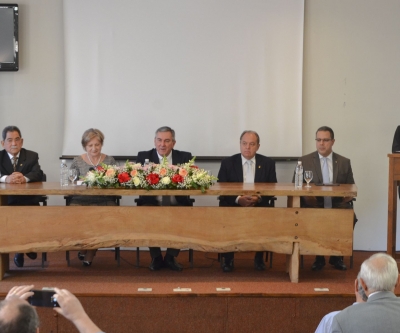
150,177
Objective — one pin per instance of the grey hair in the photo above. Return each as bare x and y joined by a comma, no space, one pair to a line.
10,129
26,321
379,272
166,129
252,132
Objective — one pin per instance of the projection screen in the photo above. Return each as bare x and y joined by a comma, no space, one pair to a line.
209,69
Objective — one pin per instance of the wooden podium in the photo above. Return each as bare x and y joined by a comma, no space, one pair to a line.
394,179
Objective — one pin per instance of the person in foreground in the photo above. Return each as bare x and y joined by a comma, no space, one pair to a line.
378,276
92,143
18,166
325,326
246,167
327,167
17,316
164,142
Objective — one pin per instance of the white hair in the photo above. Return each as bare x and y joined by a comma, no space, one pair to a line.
379,272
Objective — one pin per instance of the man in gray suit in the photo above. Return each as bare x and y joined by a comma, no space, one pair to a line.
327,167
379,276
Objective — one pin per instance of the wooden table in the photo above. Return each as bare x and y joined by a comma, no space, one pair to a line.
292,230
394,179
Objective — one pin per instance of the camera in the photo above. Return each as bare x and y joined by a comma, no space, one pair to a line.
43,298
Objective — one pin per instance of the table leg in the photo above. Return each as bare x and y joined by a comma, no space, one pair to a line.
4,264
294,263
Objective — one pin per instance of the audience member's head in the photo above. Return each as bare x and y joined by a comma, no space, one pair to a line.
17,316
379,273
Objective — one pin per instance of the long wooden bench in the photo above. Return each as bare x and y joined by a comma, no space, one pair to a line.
292,231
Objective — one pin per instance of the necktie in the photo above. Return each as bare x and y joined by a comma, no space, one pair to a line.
249,175
325,178
14,163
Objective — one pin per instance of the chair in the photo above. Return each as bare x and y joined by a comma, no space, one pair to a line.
68,199
139,202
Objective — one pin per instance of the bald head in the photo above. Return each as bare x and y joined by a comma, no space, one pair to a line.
379,273
17,316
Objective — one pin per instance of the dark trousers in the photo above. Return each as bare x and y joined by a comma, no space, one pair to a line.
228,256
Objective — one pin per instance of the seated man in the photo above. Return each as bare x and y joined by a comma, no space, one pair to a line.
327,167
325,326
17,166
246,167
164,143
379,276
16,315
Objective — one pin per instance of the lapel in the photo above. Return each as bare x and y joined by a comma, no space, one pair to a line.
21,160
238,168
7,164
259,169
175,159
335,167
154,156
317,168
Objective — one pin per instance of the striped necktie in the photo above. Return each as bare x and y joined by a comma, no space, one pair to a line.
325,177
14,163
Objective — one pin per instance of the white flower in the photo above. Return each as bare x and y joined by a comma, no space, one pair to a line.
91,176
165,180
136,181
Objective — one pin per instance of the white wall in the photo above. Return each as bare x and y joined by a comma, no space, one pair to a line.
351,83
351,80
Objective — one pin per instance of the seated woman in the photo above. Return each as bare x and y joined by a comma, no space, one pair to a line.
92,142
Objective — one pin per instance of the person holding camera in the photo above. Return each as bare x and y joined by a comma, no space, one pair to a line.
17,315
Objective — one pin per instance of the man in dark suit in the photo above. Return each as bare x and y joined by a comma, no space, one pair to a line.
18,166
246,167
164,143
379,277
337,170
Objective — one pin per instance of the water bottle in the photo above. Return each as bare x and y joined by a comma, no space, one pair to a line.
298,179
64,173
146,161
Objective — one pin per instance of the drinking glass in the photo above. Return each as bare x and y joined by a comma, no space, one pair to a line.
308,176
72,175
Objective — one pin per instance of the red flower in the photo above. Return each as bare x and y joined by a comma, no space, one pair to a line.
123,177
177,179
194,166
99,168
153,179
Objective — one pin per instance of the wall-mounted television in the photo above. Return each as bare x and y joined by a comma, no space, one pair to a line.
8,37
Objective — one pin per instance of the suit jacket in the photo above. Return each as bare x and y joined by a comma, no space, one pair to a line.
28,165
178,157
342,173
379,314
231,170
396,141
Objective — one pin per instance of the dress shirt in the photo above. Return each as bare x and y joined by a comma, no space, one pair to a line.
330,166
3,178
244,168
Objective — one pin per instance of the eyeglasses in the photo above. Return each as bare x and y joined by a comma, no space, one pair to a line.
323,140
251,144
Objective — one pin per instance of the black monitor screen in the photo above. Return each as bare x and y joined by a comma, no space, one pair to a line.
8,37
